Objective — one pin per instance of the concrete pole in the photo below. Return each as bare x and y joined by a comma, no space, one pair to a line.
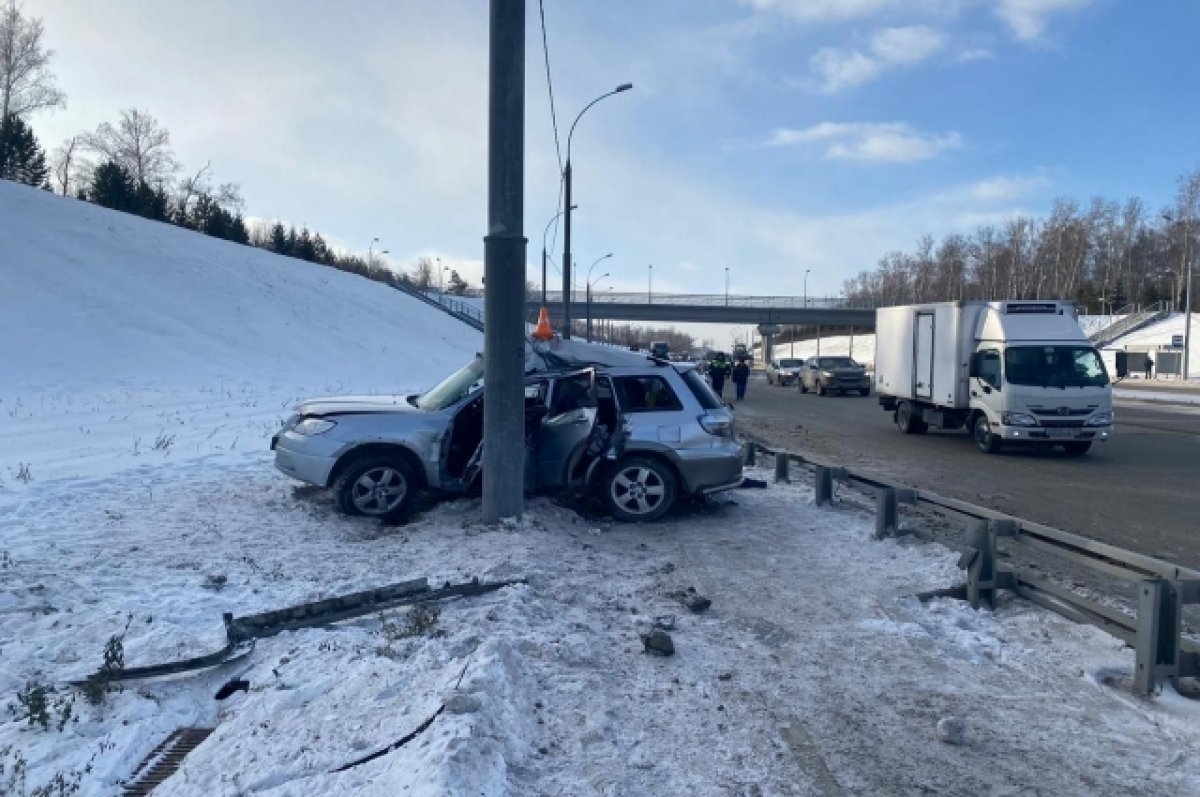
504,268
566,257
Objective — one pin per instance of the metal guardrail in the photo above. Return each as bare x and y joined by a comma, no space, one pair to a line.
1164,588
461,310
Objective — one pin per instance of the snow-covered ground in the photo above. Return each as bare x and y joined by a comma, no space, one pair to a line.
144,369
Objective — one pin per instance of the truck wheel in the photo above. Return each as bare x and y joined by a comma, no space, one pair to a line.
987,442
866,391
803,387
1077,449
907,421
379,487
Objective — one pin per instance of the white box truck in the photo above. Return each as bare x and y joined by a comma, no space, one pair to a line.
1007,372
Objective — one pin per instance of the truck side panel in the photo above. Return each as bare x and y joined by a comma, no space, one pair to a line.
894,351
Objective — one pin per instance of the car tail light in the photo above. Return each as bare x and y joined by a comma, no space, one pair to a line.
719,425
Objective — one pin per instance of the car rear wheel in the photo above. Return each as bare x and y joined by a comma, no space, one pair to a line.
380,487
640,489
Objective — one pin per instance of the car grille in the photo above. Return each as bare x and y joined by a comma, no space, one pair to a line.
1057,424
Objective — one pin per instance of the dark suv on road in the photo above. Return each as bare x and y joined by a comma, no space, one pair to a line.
826,374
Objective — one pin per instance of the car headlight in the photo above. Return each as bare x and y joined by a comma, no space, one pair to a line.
311,426
1017,419
1102,418
291,422
827,374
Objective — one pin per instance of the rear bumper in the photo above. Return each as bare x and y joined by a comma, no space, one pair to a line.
709,470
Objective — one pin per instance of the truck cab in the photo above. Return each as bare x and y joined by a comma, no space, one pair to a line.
1015,372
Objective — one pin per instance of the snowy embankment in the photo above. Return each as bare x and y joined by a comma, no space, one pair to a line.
815,671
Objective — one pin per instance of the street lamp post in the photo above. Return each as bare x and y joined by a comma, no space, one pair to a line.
806,286
371,253
590,286
1187,322
566,258
727,286
650,284
544,256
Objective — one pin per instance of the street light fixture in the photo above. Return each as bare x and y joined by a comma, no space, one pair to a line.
370,253
544,257
590,286
566,258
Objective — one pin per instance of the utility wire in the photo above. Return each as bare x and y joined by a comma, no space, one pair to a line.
554,125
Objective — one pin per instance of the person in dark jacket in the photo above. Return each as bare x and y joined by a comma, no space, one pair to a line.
741,375
1148,364
718,370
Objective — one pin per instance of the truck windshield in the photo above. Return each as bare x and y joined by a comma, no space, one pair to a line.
1054,366
458,385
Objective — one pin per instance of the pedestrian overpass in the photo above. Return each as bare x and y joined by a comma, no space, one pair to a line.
708,309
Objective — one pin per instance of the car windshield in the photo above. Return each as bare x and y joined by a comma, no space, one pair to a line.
458,385
838,362
790,363
1054,366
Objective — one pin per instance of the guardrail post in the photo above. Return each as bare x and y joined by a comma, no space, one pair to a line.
750,449
1158,631
781,467
886,513
823,485
982,569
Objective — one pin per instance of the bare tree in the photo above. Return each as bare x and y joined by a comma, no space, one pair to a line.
139,144
68,165
423,273
26,83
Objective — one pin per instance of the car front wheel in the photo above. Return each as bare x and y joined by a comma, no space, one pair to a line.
640,489
378,487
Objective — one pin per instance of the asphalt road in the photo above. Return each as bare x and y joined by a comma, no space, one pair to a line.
1140,490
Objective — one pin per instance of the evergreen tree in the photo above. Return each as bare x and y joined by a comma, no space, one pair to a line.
304,246
321,249
238,232
289,247
152,203
278,239
21,158
458,286
111,187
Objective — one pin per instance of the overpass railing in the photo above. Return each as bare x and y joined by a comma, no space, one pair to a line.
714,300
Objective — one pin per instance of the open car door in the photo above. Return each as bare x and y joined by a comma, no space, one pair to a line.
559,441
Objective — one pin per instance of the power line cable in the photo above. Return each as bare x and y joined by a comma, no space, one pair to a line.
553,124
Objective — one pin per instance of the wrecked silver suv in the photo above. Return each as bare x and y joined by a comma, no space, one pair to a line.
640,432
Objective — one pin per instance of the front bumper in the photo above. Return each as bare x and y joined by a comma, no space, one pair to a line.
1055,434
307,458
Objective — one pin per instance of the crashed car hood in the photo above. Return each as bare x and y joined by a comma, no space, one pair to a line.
355,405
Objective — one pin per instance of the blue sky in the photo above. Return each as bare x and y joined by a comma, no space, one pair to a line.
766,136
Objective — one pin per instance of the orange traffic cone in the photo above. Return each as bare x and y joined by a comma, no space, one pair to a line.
543,330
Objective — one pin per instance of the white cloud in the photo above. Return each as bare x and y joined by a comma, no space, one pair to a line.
837,69
975,54
1007,189
822,10
893,142
1027,18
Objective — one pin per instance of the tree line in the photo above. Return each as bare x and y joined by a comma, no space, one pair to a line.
129,166
1104,255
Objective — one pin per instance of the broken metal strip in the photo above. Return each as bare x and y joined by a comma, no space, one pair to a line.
1111,615
231,650
1072,612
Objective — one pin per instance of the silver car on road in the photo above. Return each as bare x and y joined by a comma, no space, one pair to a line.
642,434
